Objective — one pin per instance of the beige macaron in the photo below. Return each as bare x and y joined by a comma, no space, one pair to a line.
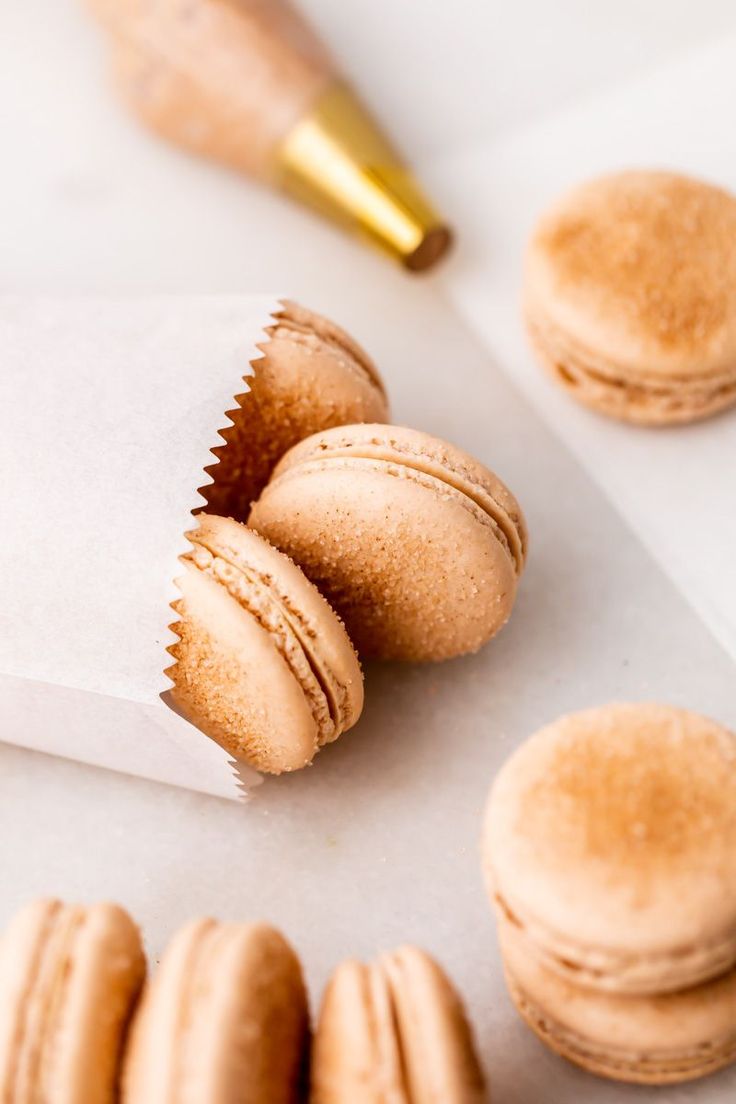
630,296
648,1039
311,376
262,664
416,544
224,1018
610,853
394,1031
69,978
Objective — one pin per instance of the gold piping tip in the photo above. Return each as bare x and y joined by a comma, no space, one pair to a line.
337,160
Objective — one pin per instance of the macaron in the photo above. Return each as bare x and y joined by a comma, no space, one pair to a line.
394,1030
416,544
609,850
224,1018
262,664
630,296
69,979
312,375
653,1039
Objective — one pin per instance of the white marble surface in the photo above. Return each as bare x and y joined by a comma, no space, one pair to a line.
377,843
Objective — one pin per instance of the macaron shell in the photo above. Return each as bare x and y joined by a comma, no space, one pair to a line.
610,837
640,267
233,683
421,453
225,1018
312,375
416,568
645,1039
69,978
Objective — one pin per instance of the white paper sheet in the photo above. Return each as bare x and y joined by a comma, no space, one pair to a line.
108,411
676,487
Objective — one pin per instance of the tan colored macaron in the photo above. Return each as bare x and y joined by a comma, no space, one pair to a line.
225,1018
394,1030
653,1039
312,375
69,978
630,296
262,664
609,850
417,545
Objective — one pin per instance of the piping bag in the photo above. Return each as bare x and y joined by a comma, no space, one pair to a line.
247,83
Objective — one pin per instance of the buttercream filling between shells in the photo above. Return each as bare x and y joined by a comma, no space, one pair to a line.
256,594
701,1058
407,464
623,972
576,366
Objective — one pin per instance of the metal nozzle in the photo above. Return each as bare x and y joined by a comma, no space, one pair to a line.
336,159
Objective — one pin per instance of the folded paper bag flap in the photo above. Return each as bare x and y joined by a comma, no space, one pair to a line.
109,409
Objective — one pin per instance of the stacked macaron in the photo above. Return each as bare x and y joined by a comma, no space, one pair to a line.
224,1019
630,296
610,854
366,536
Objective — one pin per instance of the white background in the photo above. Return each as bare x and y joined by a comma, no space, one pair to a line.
89,203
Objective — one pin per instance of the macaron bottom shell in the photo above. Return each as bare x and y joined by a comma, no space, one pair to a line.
654,1039
630,1066
606,389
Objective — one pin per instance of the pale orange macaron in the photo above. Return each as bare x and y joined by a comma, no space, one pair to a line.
630,296
609,850
416,544
312,375
224,1018
262,665
396,1030
69,979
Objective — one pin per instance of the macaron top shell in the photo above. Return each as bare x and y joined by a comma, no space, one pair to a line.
224,1019
394,1030
263,665
640,268
69,977
416,544
312,375
610,839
